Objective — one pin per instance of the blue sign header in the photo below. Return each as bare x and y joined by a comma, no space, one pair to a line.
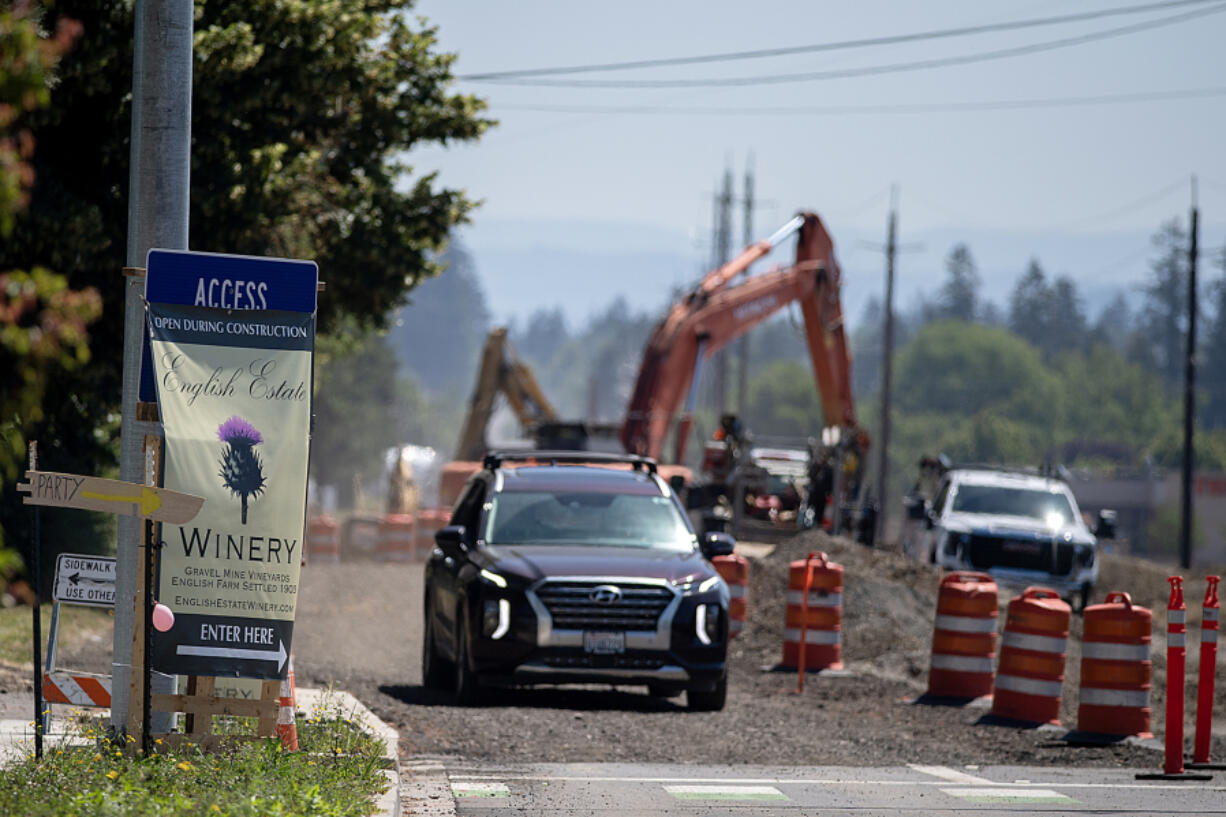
230,281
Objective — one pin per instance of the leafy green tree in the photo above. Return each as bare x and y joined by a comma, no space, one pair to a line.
302,114
867,348
783,401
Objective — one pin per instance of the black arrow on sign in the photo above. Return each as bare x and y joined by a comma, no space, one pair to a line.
75,578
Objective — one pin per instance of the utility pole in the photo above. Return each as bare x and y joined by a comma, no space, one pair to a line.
887,370
742,348
723,250
1189,396
157,217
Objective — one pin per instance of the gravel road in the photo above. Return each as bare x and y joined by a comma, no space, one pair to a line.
359,627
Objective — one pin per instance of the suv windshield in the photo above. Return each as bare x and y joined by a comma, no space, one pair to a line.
1049,507
622,520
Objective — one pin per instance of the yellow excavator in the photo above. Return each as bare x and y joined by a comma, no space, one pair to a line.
502,372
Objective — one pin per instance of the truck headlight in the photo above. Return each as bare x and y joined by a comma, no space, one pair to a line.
706,623
495,618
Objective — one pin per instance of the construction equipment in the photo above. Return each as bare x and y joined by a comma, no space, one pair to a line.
716,312
503,373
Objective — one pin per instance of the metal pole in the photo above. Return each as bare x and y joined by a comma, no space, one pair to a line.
36,556
887,362
157,217
1189,398
742,374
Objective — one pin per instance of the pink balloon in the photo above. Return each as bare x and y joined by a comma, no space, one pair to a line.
163,618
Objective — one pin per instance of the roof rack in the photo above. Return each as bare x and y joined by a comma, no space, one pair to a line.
496,458
1058,472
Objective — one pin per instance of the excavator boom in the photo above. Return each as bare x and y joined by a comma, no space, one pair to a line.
717,311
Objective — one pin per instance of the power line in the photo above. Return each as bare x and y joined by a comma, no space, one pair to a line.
1011,25
904,108
889,68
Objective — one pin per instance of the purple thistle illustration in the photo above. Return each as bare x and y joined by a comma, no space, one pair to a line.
241,469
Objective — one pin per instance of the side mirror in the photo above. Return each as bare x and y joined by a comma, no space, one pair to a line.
930,519
717,544
915,507
1105,529
450,540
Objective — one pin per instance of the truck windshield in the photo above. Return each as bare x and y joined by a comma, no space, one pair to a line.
619,520
1046,506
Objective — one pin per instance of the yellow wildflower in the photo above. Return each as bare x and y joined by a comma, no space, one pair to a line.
184,765
112,774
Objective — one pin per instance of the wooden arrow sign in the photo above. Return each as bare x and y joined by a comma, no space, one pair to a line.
109,496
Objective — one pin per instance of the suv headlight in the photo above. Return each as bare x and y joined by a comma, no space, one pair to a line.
706,623
1085,555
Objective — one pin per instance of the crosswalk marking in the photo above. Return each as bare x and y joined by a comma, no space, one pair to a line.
951,775
480,789
726,793
988,794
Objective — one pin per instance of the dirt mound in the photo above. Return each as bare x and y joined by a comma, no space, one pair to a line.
889,604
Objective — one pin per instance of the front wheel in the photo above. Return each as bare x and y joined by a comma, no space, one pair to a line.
465,678
711,700
435,671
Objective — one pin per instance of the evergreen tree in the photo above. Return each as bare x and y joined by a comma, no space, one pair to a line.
1212,373
1066,327
1164,311
959,296
1029,305
1114,325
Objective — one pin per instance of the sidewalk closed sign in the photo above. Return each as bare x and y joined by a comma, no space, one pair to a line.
82,579
234,391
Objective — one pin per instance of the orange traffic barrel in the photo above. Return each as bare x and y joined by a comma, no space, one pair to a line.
1030,677
735,570
1115,668
323,540
429,522
813,626
395,541
964,637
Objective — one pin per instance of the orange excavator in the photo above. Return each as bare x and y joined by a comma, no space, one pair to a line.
720,309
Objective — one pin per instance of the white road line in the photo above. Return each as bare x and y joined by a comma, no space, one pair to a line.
952,775
687,792
831,781
982,794
480,789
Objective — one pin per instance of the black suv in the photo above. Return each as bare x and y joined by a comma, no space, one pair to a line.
560,567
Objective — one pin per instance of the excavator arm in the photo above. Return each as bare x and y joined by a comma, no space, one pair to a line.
501,372
717,311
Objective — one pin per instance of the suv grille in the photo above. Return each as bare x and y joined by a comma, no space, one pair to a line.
572,607
1024,554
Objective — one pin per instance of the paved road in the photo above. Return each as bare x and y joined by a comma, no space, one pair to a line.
454,787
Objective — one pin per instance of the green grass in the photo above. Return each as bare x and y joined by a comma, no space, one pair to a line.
336,774
76,624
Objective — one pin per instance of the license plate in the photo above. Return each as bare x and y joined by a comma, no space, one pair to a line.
604,643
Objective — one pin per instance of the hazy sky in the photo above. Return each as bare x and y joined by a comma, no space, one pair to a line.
1077,172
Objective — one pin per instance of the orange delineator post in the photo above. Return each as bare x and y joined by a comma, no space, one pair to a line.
1176,665
287,725
964,637
1208,669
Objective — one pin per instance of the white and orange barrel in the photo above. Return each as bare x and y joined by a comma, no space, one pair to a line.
1115,668
323,539
813,627
964,637
429,522
735,570
1030,676
396,539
